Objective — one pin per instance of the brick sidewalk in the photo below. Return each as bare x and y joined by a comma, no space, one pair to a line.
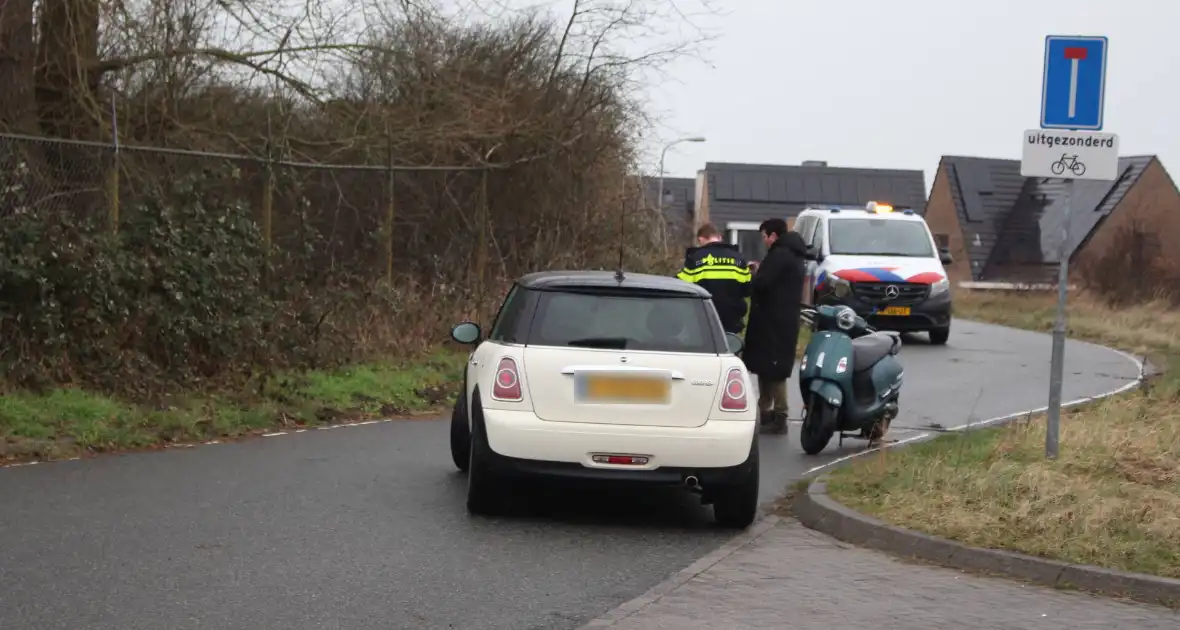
792,577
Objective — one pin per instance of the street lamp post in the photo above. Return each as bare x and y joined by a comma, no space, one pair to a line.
664,153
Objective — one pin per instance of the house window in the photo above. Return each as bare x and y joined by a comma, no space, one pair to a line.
748,238
750,244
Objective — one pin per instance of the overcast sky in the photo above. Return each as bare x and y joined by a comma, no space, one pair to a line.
896,84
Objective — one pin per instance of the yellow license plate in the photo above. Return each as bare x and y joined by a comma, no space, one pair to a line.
627,390
895,310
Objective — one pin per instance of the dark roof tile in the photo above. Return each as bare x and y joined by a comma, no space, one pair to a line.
1033,231
753,192
1009,221
984,190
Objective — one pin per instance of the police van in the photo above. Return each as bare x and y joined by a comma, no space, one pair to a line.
881,261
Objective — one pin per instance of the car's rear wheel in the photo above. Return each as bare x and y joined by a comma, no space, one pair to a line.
484,489
939,336
819,425
460,434
735,505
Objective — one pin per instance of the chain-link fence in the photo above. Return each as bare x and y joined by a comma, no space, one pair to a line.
125,263
317,220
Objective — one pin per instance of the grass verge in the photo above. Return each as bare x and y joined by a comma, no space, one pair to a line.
65,422
1152,328
1112,497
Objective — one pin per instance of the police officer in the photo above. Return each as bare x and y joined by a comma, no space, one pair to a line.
720,269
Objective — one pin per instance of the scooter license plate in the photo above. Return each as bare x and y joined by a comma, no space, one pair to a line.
901,311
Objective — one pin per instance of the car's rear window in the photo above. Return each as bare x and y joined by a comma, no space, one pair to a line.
623,322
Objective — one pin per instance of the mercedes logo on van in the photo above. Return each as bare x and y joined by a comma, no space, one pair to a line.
622,359
891,292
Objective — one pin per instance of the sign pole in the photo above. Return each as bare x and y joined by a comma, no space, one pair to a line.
1057,361
1068,146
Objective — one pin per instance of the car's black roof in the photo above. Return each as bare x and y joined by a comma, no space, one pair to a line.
608,280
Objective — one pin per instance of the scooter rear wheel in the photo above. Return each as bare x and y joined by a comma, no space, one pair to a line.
819,425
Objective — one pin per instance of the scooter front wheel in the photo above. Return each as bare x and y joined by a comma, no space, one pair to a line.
819,425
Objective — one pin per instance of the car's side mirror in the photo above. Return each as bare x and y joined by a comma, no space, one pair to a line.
734,342
944,255
813,253
466,333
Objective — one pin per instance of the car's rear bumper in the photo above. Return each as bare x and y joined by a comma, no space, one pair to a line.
526,445
933,312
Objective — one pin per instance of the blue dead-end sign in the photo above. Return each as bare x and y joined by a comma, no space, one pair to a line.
1074,87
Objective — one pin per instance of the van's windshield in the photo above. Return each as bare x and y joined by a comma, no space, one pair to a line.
879,237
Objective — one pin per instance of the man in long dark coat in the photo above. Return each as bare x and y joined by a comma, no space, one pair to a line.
773,330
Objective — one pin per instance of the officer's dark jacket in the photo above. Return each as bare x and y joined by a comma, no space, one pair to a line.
720,269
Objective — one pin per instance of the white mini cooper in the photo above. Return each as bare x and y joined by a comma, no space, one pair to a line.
601,376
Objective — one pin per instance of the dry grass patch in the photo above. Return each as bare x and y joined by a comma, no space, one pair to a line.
1111,499
1153,327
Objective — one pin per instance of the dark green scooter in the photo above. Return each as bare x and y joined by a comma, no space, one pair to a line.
850,378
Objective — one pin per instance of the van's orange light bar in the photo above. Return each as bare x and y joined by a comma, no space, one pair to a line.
879,208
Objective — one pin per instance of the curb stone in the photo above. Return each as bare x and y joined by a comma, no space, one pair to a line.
621,612
820,512
803,499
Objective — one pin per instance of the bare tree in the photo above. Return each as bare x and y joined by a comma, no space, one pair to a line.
548,106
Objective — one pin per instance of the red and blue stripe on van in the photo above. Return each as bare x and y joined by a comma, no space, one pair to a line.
885,274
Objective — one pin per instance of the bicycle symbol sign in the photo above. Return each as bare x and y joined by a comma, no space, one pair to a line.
1068,161
1062,154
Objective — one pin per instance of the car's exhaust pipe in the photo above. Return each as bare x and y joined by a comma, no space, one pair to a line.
692,483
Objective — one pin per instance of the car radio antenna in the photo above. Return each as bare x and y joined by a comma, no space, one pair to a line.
622,231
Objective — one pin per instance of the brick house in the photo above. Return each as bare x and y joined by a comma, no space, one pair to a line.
738,197
1002,227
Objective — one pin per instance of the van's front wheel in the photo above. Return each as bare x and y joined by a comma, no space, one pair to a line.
939,336
819,425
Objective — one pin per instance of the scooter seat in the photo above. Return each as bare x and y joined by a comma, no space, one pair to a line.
867,351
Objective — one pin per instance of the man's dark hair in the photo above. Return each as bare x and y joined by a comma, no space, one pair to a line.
777,227
708,230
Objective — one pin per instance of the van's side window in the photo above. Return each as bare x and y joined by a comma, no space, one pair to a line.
804,226
817,239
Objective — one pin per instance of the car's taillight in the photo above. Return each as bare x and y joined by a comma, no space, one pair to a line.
507,385
734,396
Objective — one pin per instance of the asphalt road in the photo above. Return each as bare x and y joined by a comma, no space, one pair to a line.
364,527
